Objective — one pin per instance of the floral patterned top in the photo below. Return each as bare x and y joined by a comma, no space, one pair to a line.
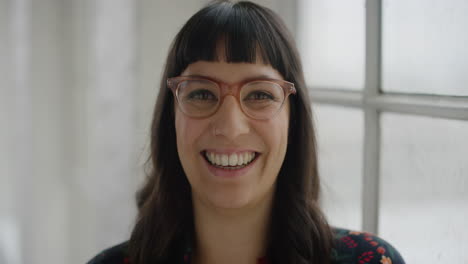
350,247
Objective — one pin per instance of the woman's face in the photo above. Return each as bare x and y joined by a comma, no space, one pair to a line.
228,133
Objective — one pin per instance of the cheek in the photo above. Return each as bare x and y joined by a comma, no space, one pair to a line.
184,139
281,128
275,135
188,133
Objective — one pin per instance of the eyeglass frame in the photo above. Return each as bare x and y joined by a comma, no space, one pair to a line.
233,89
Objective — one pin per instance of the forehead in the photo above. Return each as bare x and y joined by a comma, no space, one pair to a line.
231,72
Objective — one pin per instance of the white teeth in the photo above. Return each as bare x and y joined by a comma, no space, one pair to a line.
224,160
241,159
232,160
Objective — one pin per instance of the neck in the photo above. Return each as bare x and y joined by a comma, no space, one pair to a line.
231,235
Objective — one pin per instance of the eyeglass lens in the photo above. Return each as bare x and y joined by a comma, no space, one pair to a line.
258,99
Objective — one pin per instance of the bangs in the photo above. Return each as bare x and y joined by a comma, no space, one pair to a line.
232,32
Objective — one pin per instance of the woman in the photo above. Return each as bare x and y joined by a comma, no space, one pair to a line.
234,170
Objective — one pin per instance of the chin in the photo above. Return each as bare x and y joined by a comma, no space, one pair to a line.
228,199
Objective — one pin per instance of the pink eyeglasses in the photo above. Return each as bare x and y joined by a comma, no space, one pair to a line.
201,97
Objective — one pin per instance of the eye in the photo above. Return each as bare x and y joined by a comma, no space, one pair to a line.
201,95
259,95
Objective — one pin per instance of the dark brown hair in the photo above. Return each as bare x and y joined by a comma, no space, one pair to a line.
299,232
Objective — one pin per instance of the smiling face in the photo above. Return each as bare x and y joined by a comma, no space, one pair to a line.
230,159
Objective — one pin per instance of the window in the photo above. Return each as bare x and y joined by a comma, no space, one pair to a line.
389,84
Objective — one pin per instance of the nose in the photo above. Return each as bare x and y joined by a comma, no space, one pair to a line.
230,121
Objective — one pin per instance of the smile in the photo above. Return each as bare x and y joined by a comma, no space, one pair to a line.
231,161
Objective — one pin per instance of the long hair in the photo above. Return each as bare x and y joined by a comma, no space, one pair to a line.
298,231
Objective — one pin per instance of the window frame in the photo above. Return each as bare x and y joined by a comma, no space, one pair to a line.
372,101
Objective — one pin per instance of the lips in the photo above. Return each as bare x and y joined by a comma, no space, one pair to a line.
230,161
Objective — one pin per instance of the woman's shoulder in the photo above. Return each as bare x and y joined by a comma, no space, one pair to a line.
362,247
117,254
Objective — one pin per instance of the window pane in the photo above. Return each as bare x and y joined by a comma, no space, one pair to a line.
331,42
425,46
424,188
340,159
